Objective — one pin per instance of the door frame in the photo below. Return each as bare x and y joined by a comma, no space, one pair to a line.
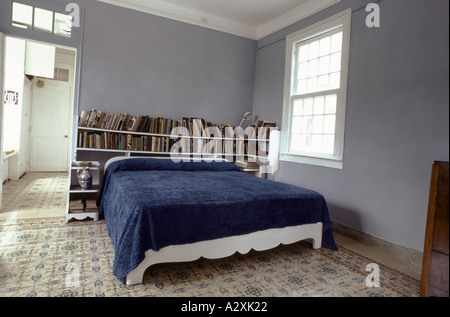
75,77
74,42
1,116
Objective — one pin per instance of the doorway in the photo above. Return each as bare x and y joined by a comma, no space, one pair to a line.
45,120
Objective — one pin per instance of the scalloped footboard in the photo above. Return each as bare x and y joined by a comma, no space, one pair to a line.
224,247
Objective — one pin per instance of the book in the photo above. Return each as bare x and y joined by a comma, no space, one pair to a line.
76,206
90,205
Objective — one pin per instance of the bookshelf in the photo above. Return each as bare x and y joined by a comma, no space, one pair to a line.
99,131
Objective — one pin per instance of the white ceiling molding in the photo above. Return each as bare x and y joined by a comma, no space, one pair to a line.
230,24
298,13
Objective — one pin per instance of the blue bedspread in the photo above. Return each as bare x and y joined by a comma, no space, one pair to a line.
153,203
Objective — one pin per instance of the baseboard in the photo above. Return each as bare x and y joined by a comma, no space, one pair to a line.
406,255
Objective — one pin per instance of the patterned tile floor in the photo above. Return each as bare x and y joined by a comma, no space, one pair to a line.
47,257
38,251
36,190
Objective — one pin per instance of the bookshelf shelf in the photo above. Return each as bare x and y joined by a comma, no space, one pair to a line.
173,136
183,154
78,189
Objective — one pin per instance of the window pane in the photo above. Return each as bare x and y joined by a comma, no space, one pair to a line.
336,42
296,142
296,124
297,109
307,124
302,85
313,67
319,104
313,50
335,81
324,65
303,53
305,143
302,70
323,83
308,106
324,46
317,124
328,144
312,84
43,20
329,123
335,62
316,145
22,15
330,104
63,74
63,25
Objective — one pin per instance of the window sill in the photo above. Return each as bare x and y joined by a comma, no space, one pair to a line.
332,163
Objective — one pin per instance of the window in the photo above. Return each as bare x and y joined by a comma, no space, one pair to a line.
22,16
33,18
315,93
63,24
43,20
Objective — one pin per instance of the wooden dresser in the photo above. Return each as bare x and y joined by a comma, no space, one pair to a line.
435,269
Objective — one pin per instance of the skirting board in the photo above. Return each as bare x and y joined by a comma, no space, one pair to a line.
404,254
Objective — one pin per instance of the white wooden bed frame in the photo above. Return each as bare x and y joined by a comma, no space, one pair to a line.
223,247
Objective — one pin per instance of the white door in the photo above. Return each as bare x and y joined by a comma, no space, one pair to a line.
50,126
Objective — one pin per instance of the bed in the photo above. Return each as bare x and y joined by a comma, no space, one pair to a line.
161,211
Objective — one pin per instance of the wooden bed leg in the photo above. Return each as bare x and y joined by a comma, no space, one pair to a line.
135,277
317,243
317,236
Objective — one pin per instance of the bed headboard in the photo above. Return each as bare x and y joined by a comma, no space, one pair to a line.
271,168
118,158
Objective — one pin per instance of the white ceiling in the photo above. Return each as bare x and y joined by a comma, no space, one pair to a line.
248,18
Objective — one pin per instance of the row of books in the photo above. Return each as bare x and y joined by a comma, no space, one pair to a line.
191,126
126,142
83,205
124,122
147,143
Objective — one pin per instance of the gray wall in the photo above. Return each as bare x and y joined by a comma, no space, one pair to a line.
397,120
146,64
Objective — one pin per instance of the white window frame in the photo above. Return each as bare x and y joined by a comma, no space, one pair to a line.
335,160
32,26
